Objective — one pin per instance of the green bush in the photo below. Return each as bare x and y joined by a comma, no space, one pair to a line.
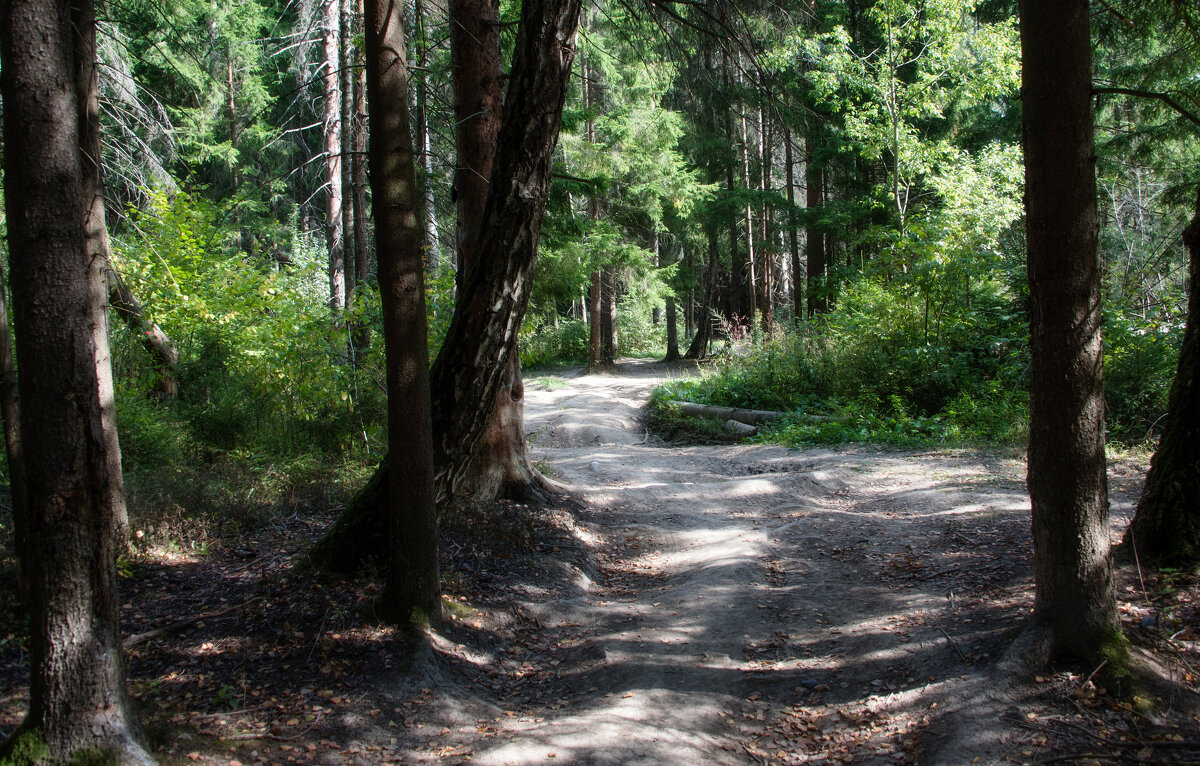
1140,358
882,367
566,343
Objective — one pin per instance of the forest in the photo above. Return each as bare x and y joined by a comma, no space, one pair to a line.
620,381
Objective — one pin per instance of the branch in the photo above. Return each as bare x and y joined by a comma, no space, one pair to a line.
1163,97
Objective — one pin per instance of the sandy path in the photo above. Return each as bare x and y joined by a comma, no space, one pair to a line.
756,604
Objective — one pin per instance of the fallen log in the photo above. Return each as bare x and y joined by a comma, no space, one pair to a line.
739,428
749,417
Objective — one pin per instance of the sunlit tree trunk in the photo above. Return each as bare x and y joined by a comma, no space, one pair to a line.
429,228
332,142
348,54
793,230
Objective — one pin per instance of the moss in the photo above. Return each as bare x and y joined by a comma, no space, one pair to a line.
25,747
1117,672
93,756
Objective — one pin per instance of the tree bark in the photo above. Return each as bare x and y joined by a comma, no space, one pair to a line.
699,347
478,115
608,316
1074,607
332,127
793,233
360,335
413,592
424,148
818,302
1166,528
595,304
75,501
346,66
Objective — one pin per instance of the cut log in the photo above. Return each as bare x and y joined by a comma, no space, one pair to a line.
740,429
749,417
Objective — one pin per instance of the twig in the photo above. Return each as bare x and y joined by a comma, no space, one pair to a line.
955,645
1093,674
268,735
140,638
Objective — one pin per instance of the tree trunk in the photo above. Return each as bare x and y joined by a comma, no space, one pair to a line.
347,55
699,347
476,363
413,592
818,302
1074,609
425,154
1166,528
594,302
332,135
793,233
360,335
764,227
75,500
751,282
608,316
478,115
164,357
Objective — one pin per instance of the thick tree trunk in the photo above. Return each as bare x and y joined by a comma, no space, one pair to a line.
1074,609
75,501
476,361
1166,528
332,127
478,115
413,592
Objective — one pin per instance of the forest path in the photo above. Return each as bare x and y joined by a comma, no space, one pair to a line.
756,604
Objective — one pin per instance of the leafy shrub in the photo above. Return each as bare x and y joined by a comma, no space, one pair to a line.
1140,357
565,344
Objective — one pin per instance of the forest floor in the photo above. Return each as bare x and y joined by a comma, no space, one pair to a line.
716,604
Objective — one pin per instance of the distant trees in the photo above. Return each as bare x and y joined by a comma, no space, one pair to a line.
72,524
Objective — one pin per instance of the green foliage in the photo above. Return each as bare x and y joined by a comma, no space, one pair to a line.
877,369
263,365
565,344
1140,358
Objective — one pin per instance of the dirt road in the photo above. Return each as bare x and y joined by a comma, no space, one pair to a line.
753,603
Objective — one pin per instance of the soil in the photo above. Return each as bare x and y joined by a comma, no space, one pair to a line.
719,604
